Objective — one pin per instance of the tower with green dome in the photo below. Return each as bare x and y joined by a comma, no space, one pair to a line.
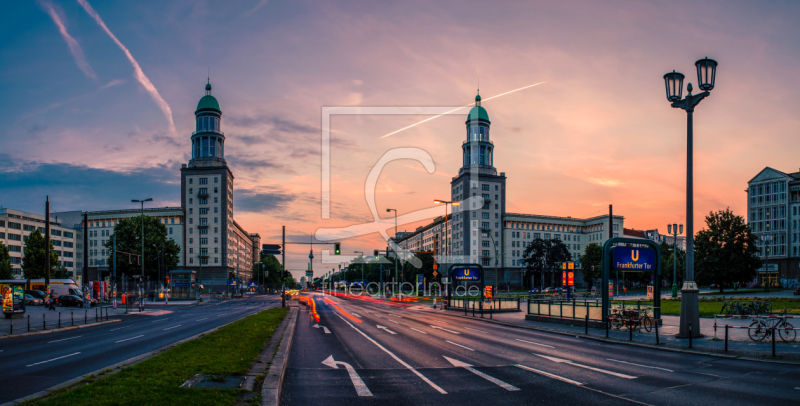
215,246
475,227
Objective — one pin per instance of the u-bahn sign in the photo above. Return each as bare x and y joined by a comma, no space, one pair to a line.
634,259
467,274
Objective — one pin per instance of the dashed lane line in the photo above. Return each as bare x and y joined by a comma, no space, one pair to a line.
64,339
170,328
645,366
129,339
539,344
459,345
475,329
54,359
420,331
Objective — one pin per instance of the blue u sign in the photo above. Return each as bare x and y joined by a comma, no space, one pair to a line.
466,274
634,259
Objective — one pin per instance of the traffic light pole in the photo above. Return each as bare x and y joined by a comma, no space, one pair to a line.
283,267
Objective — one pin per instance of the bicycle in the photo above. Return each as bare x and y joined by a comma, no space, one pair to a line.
764,328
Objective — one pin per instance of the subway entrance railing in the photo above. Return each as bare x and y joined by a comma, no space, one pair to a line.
495,305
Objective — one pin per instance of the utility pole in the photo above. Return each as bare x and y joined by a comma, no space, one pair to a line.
47,246
610,236
283,266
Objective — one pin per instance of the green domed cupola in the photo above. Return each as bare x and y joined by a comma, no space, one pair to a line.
207,140
478,112
478,150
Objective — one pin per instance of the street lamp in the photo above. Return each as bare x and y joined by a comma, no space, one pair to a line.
489,232
767,241
447,250
362,265
673,230
149,199
706,74
396,276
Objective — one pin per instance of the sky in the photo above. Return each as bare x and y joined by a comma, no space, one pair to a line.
99,98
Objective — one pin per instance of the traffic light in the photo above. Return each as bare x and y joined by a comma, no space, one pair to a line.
336,248
270,249
376,254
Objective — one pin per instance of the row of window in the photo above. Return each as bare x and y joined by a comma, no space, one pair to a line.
203,181
202,200
202,231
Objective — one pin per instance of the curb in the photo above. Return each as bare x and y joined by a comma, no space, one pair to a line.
111,369
56,330
273,382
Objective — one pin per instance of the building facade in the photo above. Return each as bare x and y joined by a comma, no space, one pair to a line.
16,226
773,211
480,230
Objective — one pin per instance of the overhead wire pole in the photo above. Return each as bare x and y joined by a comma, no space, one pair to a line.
283,267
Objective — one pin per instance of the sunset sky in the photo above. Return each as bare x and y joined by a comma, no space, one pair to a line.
99,99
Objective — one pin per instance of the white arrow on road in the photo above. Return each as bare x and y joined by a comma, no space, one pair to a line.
361,388
387,330
561,360
323,327
468,367
442,328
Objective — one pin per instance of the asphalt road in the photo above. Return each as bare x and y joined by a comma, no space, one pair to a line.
34,363
403,354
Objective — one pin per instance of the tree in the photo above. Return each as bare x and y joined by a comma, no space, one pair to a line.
6,271
273,268
544,256
669,265
726,252
591,263
33,261
61,272
129,233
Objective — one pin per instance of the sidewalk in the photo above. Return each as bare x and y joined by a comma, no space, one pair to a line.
739,343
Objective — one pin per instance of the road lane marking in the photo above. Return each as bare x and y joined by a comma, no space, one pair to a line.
392,321
442,328
396,358
326,330
387,330
361,387
221,314
63,339
202,319
156,321
129,339
459,345
548,374
475,329
356,314
119,328
646,366
418,330
468,367
170,328
566,361
51,360
531,342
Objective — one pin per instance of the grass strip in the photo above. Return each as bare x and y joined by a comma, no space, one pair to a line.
228,351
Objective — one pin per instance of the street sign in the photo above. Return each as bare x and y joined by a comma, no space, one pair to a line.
634,259
466,274
435,273
270,249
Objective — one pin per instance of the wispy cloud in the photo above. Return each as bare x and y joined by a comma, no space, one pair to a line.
254,9
74,47
138,73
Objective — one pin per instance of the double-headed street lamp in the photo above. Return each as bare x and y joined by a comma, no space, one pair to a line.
149,199
672,229
447,250
706,74
766,239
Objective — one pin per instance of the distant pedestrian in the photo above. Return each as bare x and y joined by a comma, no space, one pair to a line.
52,303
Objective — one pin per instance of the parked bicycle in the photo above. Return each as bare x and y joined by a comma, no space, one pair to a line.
762,329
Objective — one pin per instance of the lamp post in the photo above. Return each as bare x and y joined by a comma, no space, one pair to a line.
766,239
706,75
487,231
149,199
362,265
396,276
673,229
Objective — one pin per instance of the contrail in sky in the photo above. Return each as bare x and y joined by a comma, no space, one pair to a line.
454,110
74,47
138,73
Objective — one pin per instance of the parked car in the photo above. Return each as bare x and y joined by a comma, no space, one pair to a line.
31,300
70,300
534,290
35,293
797,291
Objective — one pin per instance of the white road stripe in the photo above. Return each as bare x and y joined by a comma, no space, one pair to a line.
489,378
64,339
120,328
548,374
202,319
646,366
475,329
50,360
392,321
442,328
156,321
128,339
459,345
356,314
560,360
396,358
326,330
531,342
170,328
420,331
